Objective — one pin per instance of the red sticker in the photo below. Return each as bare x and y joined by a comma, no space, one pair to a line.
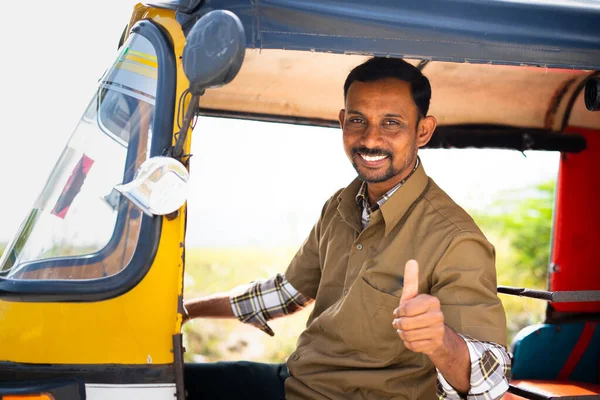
72,187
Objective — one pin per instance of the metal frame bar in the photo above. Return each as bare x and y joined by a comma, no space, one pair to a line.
573,296
446,136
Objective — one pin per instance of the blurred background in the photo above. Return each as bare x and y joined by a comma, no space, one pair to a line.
256,188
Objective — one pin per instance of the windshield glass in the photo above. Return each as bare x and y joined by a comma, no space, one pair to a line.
79,227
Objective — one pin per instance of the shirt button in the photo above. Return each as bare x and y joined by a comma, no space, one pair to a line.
345,291
359,247
296,357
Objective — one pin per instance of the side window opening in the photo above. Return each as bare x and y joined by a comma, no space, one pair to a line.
257,188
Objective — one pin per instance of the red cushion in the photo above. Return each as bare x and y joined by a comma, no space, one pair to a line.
553,389
577,216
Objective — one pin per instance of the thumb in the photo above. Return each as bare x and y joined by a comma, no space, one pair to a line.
411,281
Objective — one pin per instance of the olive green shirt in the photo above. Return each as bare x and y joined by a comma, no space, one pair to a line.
350,349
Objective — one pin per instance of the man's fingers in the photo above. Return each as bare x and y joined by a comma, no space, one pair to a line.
419,321
419,305
411,281
422,334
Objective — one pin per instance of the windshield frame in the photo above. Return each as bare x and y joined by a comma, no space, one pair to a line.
31,290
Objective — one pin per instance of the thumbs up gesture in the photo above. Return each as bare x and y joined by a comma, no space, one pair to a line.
418,318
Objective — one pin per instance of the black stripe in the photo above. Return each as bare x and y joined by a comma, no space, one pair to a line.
96,373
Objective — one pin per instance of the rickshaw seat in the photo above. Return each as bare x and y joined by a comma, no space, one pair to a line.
539,389
567,352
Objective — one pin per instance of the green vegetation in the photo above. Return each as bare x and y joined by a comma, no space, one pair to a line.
527,224
519,228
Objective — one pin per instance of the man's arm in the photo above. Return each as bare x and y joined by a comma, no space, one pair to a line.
462,300
420,324
255,303
466,367
490,372
214,306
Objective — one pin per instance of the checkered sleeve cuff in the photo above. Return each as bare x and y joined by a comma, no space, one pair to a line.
490,373
266,300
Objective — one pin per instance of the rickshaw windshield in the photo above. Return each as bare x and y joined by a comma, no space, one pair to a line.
80,227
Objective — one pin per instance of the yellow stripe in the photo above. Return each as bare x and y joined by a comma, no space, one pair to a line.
141,60
138,69
140,54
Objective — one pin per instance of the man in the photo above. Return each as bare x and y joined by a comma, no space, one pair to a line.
403,281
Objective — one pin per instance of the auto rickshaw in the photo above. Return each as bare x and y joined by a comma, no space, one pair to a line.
520,75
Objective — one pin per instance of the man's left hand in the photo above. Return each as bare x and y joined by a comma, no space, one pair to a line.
419,318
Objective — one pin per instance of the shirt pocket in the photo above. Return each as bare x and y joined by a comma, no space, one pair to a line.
366,318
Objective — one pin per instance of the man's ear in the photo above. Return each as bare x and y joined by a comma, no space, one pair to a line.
342,117
425,130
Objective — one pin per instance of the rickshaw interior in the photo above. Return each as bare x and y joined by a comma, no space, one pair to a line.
478,106
481,105
518,75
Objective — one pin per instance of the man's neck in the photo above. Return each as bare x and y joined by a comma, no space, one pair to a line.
376,190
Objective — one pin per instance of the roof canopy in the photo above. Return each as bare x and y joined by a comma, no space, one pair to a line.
298,86
518,63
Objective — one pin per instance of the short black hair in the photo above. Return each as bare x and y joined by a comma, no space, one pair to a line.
378,68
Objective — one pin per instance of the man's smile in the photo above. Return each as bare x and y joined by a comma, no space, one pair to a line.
371,158
371,161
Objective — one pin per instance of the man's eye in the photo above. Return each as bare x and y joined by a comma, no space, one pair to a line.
356,120
391,122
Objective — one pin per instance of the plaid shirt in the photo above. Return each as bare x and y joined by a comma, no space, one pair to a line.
266,300
275,297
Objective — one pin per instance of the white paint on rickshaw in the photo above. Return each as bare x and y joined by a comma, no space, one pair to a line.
97,391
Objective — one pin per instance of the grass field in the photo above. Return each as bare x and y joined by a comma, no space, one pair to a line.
214,270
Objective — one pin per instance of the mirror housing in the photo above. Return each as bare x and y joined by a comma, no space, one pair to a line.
592,94
160,186
213,55
214,51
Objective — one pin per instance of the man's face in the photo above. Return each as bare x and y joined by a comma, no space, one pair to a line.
381,130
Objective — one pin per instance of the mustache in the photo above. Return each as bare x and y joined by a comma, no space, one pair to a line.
371,152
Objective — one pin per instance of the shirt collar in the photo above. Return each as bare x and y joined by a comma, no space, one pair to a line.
392,209
362,197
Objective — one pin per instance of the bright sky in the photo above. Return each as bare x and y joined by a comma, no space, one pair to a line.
53,59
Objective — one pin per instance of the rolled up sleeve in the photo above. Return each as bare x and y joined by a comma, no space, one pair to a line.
267,299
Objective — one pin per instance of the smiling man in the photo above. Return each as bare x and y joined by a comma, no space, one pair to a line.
403,281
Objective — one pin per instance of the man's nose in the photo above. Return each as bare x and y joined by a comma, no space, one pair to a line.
371,136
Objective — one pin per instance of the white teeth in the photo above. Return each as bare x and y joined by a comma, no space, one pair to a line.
372,158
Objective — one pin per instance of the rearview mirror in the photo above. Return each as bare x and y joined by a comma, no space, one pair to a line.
592,94
160,186
214,51
213,55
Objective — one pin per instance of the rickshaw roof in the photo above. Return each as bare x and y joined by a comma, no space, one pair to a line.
551,33
498,62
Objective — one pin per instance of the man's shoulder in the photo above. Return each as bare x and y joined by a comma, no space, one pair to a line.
448,211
